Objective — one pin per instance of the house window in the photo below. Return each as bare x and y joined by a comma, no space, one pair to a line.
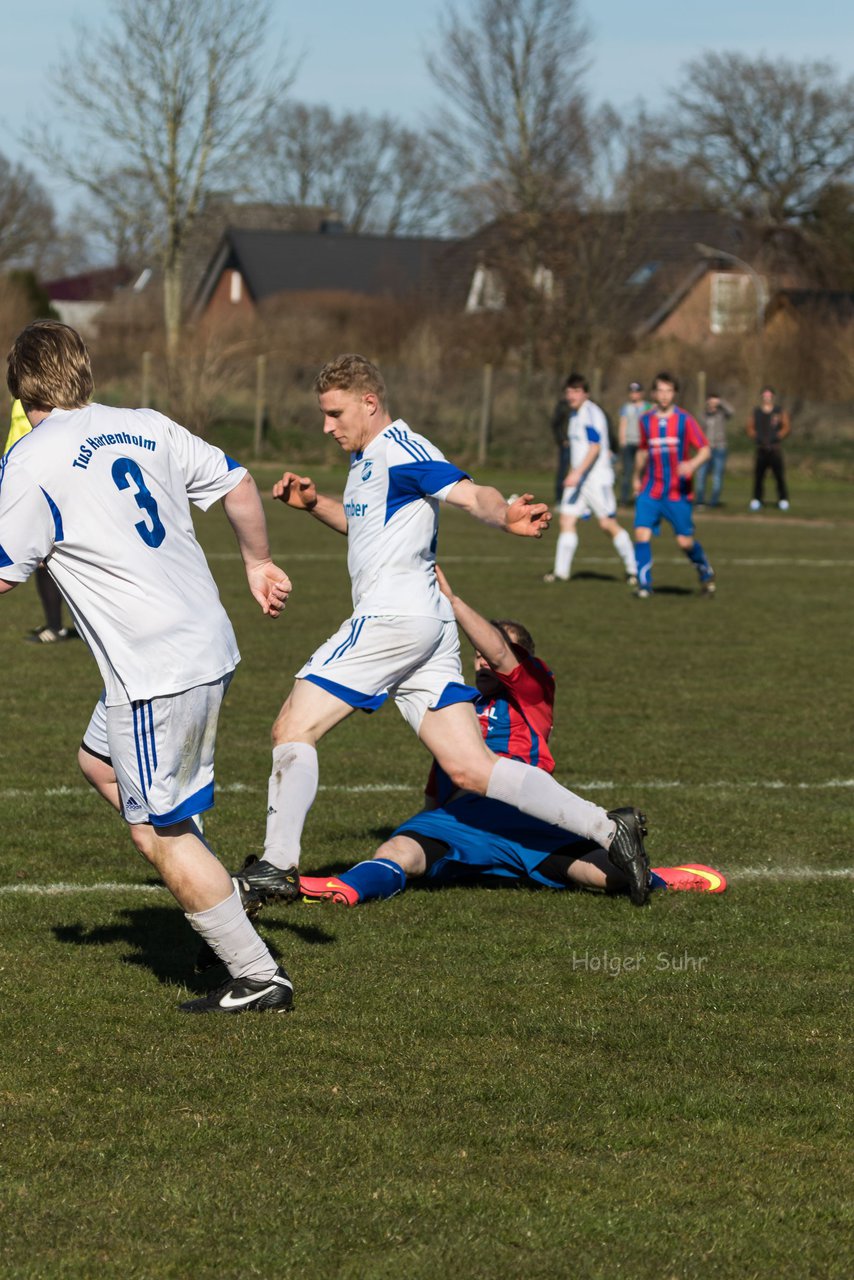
543,281
235,287
733,303
486,292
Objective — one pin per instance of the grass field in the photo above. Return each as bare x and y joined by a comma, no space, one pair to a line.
488,1084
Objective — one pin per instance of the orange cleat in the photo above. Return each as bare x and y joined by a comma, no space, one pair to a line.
693,877
328,889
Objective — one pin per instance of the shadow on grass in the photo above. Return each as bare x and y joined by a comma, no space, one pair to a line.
591,575
160,940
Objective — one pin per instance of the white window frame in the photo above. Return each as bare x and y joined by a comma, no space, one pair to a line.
732,303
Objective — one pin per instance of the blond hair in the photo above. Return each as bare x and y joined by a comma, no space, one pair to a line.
48,367
351,373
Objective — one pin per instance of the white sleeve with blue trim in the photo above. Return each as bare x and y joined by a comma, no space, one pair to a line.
28,523
417,468
209,474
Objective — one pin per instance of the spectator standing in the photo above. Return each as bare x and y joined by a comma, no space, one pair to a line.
559,425
769,425
629,438
53,631
716,415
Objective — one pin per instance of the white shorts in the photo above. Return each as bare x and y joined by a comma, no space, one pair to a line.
591,497
414,660
161,751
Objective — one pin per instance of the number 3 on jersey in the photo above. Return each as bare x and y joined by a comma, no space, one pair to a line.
123,471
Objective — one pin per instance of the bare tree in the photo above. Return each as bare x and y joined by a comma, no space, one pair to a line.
375,174
26,216
513,120
122,223
170,96
769,136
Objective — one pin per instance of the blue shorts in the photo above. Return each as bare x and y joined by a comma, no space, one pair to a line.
678,512
488,838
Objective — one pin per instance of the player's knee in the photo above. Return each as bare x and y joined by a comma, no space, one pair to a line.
96,771
396,850
144,838
470,775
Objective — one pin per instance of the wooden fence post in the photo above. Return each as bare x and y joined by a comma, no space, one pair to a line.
145,398
701,391
485,428
260,404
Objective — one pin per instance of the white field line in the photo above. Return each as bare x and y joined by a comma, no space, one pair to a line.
293,557
596,784
734,874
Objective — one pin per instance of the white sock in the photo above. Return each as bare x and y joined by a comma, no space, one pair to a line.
564,552
290,795
538,795
625,549
228,931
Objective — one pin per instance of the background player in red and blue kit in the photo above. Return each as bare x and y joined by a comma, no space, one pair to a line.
672,447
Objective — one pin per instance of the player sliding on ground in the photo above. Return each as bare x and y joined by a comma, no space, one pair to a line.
401,640
468,839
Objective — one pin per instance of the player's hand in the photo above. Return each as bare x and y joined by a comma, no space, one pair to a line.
270,586
685,470
636,485
527,518
296,491
571,480
444,584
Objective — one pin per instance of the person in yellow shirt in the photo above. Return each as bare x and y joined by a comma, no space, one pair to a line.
53,631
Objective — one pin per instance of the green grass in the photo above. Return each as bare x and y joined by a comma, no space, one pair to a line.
495,1083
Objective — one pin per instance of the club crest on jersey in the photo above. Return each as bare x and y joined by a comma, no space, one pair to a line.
367,468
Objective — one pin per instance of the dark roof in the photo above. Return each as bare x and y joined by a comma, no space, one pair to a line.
98,285
274,262
835,303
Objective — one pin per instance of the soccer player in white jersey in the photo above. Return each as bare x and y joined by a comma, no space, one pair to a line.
588,488
401,640
102,496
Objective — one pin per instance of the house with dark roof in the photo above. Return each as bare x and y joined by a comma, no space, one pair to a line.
78,300
254,267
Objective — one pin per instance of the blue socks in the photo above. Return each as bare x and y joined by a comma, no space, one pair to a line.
697,556
375,879
643,556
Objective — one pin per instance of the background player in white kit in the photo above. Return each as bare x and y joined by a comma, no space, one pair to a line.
102,495
589,485
401,640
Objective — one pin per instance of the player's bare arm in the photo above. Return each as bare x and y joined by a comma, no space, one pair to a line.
688,467
575,476
269,584
6,586
300,492
488,641
524,517
640,465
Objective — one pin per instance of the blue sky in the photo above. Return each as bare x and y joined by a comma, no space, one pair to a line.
369,56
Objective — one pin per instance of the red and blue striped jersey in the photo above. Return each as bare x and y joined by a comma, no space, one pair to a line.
515,722
668,437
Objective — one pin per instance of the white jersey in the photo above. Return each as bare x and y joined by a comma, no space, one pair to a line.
589,426
391,501
103,496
